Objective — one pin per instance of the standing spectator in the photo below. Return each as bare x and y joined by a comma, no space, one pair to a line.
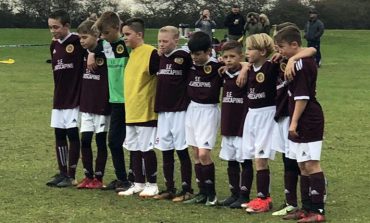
205,23
312,33
265,24
235,23
253,25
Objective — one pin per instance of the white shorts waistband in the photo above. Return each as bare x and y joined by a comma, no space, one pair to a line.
263,109
195,105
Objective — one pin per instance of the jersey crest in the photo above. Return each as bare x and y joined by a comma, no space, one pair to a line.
260,77
99,61
207,69
282,67
179,60
70,48
120,49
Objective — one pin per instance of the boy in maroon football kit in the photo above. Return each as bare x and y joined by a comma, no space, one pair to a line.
171,104
233,112
306,128
95,109
67,64
281,128
261,91
202,116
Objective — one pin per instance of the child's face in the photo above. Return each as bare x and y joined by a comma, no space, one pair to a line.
286,49
110,34
232,59
254,55
200,57
166,42
88,41
57,29
131,37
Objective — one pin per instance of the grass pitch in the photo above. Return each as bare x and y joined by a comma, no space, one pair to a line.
27,157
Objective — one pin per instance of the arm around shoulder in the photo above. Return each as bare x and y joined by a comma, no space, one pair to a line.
154,62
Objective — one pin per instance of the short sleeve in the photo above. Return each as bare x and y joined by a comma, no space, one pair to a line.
301,82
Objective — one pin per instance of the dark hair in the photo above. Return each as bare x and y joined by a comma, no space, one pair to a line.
232,45
108,19
61,15
199,41
288,34
136,24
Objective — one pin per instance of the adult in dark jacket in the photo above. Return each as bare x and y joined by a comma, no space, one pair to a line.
235,22
312,33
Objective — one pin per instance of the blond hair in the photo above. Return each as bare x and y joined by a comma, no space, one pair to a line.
261,42
170,29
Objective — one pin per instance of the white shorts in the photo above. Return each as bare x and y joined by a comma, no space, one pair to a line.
171,131
280,135
64,118
139,138
231,148
257,131
201,125
94,123
305,151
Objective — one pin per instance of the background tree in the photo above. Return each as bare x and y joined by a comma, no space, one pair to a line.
289,10
338,14
6,13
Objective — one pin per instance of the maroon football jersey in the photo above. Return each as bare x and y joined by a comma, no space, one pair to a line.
233,107
67,65
94,91
303,87
261,85
172,82
281,93
204,83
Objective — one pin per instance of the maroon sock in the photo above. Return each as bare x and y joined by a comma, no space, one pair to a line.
263,183
102,154
137,166
86,152
74,155
233,172
290,182
186,170
150,161
74,151
305,192
168,168
208,172
317,184
199,178
131,176
246,178
61,149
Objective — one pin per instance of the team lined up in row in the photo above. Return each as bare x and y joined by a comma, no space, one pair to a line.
168,99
